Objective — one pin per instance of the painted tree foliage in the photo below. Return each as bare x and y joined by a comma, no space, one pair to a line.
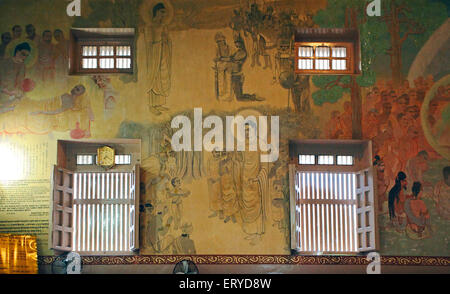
403,24
411,19
350,14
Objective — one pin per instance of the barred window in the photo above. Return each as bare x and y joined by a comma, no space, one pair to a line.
95,213
95,209
90,159
327,51
328,58
305,159
97,51
332,198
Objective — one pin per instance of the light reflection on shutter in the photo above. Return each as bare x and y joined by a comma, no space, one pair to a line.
326,204
103,204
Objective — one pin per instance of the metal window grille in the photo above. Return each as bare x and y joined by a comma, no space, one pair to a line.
333,211
104,212
106,57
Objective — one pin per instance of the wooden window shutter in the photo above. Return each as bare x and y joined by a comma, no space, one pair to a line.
294,190
62,212
134,212
365,211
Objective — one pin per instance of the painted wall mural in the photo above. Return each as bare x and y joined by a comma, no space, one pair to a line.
233,57
229,190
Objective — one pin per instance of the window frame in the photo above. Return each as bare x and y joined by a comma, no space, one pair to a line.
78,39
316,160
333,157
85,155
344,164
348,192
80,202
60,228
309,155
350,58
69,195
117,162
337,36
312,235
94,159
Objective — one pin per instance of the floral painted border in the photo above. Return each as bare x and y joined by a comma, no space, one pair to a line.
256,259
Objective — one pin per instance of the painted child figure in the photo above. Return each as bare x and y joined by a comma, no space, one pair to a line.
175,194
278,206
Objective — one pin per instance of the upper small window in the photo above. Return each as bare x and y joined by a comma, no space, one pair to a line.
325,57
325,159
333,202
306,159
97,51
85,159
89,159
123,159
344,160
327,51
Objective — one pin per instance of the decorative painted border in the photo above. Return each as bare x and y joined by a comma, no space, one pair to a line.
256,259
